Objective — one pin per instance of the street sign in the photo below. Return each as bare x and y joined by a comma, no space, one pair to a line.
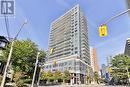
103,30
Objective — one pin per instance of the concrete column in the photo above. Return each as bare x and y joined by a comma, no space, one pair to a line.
72,80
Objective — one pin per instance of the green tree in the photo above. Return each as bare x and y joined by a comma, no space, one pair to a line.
121,61
50,76
42,56
89,79
57,76
18,78
66,76
96,77
23,59
120,64
43,76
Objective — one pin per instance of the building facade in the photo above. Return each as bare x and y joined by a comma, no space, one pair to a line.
128,4
104,70
69,46
94,61
127,47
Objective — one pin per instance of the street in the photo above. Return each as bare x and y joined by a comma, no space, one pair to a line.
83,86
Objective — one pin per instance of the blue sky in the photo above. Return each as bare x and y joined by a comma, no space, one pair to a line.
40,14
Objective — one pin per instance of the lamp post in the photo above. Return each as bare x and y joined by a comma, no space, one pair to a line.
10,54
40,65
39,75
35,69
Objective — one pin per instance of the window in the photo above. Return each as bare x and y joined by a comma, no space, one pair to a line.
65,63
46,67
69,68
70,63
76,48
76,52
50,66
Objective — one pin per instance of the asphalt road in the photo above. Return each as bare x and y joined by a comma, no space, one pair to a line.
83,86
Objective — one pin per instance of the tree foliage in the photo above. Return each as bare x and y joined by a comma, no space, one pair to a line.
43,76
50,75
66,76
120,64
23,59
56,76
121,61
96,77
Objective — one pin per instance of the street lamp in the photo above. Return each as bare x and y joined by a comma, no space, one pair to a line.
40,65
10,54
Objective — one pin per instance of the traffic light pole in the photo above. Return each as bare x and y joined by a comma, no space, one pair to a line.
112,18
103,27
120,14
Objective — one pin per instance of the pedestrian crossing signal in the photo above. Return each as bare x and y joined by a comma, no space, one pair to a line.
103,30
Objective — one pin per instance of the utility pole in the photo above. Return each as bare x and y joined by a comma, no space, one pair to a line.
10,55
39,77
35,69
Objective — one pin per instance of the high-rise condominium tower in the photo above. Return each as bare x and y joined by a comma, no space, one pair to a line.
68,45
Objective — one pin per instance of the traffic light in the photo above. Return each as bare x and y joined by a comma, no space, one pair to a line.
103,30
